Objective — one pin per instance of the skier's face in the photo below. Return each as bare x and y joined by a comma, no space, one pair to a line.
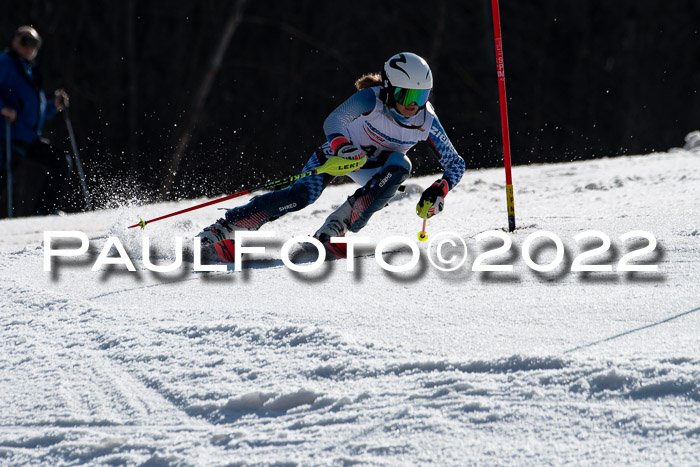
409,110
26,52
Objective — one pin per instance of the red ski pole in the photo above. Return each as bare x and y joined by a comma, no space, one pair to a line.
504,112
335,166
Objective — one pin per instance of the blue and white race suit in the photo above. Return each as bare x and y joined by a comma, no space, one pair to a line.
385,136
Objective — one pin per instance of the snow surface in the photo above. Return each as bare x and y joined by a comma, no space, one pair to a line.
269,366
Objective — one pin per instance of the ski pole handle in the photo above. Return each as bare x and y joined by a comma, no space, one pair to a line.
61,99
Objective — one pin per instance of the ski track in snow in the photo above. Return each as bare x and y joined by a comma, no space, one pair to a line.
267,366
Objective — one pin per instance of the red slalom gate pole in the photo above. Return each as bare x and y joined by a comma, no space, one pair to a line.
504,112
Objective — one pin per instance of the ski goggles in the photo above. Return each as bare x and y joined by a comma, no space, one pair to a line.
405,96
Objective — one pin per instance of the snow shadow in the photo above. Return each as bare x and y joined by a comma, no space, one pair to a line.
271,405
632,331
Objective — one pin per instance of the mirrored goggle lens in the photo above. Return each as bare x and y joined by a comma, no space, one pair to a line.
408,96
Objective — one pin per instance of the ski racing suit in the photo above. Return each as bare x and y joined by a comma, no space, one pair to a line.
385,136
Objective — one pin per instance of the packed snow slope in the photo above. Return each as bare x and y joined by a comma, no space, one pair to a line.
271,366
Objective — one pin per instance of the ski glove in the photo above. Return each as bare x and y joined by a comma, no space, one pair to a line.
342,147
432,201
350,152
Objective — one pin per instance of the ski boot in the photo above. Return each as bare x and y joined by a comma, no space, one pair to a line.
216,244
336,225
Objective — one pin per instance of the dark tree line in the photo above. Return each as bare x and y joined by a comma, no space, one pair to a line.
585,79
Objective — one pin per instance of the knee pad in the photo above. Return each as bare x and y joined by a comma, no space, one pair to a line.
399,159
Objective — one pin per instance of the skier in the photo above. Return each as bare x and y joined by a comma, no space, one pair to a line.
387,116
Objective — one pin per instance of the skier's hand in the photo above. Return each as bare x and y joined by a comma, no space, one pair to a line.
9,113
350,152
432,201
60,99
342,147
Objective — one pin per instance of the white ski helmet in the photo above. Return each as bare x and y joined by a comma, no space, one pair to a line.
407,78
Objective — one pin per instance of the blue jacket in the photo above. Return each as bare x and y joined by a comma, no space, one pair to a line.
20,88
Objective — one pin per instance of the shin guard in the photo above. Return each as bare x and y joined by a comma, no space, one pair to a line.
375,195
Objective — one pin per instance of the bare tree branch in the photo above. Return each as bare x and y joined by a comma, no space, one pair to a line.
202,93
